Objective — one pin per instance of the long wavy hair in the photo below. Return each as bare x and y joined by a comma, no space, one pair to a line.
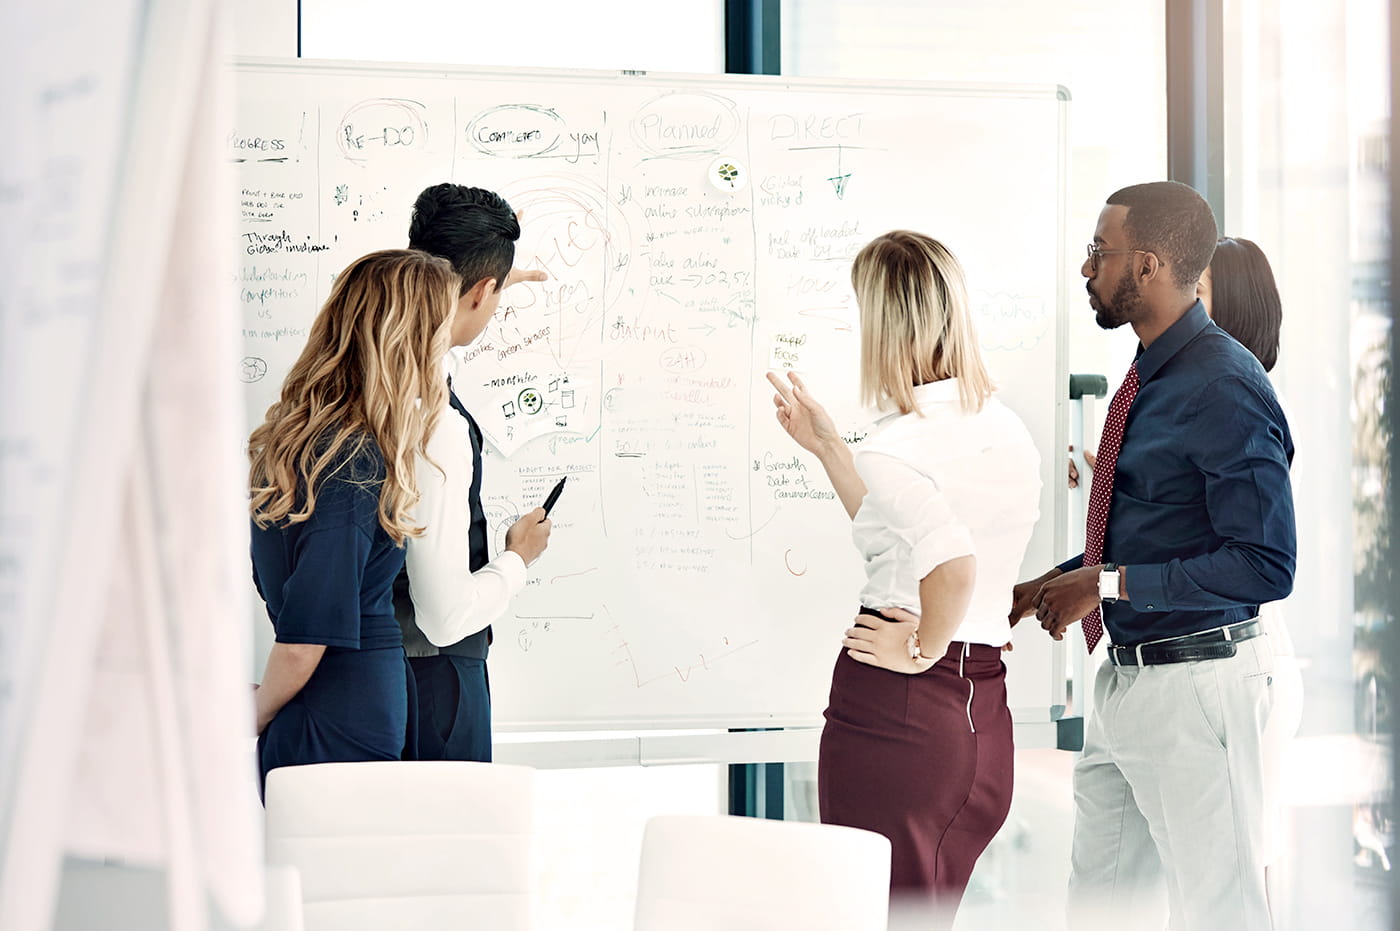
371,372
915,322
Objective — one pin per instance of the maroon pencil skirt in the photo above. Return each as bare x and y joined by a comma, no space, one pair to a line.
925,760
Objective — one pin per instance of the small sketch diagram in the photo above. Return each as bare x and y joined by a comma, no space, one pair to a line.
500,516
728,175
253,369
520,413
531,401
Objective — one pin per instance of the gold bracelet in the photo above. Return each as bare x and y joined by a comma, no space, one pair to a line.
916,650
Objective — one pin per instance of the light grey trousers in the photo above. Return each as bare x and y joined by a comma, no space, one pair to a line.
1169,796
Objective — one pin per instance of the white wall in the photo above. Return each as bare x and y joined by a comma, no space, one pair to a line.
1111,57
633,34
263,28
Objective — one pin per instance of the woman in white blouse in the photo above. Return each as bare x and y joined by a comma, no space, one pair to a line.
943,495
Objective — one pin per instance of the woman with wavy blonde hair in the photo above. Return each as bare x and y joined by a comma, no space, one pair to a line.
333,481
943,494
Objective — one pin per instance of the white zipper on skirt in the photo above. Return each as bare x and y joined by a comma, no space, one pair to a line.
967,648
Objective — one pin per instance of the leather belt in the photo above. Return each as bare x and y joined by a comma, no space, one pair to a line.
1208,644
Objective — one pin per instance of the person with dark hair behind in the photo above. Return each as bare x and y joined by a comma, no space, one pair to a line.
1239,293
451,590
1190,529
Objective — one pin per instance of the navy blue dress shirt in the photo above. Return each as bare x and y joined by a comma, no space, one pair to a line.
329,579
1202,510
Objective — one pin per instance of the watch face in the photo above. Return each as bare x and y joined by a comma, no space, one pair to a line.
1108,585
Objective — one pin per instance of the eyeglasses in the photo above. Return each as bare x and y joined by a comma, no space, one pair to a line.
1095,252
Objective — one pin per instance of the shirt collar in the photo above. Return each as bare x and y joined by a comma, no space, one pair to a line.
1151,359
936,392
927,395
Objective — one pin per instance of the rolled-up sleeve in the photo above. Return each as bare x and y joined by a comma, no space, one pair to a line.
450,602
1249,500
916,510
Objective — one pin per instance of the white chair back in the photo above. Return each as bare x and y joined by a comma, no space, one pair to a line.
713,872
283,900
406,844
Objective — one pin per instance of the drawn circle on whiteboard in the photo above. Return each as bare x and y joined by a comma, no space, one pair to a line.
530,401
253,369
787,560
728,175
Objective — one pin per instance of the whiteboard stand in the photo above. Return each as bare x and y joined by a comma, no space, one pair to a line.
1083,389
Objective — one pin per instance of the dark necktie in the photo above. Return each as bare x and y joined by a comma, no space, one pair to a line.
1102,491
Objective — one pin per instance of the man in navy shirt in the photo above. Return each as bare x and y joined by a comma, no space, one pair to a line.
1197,530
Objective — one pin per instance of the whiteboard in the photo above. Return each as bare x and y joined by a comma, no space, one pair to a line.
701,570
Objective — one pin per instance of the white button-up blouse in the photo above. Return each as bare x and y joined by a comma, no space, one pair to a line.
943,485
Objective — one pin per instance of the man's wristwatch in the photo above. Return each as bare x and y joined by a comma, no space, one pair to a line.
1108,582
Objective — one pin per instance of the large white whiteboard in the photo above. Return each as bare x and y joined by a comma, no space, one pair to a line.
701,570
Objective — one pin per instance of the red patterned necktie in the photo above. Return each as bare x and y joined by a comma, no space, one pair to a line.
1102,491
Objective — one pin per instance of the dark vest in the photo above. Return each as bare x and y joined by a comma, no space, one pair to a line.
475,646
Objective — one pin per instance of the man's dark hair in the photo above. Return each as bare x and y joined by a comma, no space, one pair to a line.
1244,299
471,227
1172,221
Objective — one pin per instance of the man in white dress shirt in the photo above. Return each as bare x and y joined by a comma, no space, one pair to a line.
451,590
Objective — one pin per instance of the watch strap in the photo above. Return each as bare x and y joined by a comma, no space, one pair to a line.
1104,594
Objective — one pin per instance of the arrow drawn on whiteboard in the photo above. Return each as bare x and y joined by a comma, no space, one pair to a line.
840,180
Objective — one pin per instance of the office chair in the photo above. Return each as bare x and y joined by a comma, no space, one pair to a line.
745,874
406,844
